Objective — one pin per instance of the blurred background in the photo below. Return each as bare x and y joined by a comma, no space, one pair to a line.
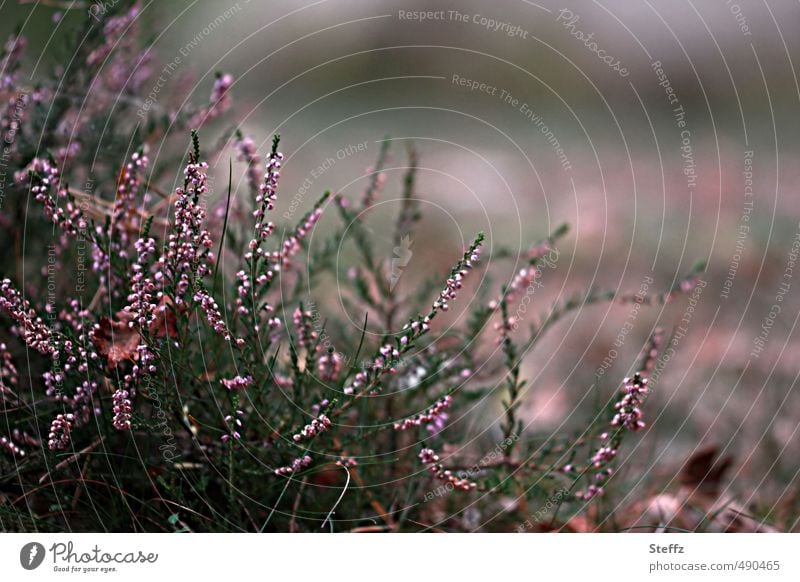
663,132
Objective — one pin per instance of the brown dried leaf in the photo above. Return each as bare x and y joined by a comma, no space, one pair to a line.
705,472
166,323
116,340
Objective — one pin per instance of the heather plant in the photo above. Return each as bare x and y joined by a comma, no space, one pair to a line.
171,360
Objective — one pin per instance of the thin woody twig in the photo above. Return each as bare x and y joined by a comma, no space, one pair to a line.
72,458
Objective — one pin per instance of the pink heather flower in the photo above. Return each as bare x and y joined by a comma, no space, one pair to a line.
233,424
505,327
428,456
143,299
8,371
431,459
248,290
627,418
359,381
282,381
431,415
388,355
146,358
247,153
590,492
60,430
346,462
454,282
237,383
306,336
214,316
122,410
317,426
329,366
292,243
118,66
12,56
245,290
83,402
316,408
79,353
297,465
541,249
125,201
53,385
437,424
143,302
219,101
114,28
524,278
10,447
521,281
629,414
26,439
269,187
11,119
603,455
66,153
382,364
30,327
652,350
220,98
58,204
189,242
265,201
144,365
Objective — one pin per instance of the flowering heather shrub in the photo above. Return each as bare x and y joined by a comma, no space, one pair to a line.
164,366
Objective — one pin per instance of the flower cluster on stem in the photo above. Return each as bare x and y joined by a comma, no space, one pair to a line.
254,278
329,366
628,417
431,459
346,462
214,316
233,424
246,152
125,202
319,425
11,447
122,410
265,200
306,335
60,430
114,28
83,402
189,243
30,326
144,296
296,465
389,354
12,56
431,415
237,383
454,282
8,371
219,101
58,205
293,242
